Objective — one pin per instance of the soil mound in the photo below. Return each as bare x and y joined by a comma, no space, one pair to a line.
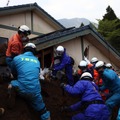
54,98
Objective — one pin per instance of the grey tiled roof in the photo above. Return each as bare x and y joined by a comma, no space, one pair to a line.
70,31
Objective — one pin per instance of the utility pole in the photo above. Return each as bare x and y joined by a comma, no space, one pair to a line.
8,2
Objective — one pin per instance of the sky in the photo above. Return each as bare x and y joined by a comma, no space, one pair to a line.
59,9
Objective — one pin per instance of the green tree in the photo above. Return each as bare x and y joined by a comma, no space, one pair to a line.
109,28
82,24
110,15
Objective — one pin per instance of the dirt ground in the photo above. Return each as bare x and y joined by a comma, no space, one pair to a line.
54,98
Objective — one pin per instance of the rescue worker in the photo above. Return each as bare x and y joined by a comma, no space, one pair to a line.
2,111
15,43
111,81
83,67
27,84
91,105
91,64
65,63
108,65
93,61
97,77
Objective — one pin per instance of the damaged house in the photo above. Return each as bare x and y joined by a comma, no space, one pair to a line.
48,33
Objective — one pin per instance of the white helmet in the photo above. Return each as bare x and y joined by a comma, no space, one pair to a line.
108,65
86,75
60,48
32,45
24,29
94,59
99,64
83,63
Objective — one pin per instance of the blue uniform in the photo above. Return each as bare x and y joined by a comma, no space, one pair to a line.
65,62
27,67
111,81
87,92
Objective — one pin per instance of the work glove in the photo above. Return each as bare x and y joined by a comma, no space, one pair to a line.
62,85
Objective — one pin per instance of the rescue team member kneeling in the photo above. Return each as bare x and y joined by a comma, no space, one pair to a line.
27,84
91,105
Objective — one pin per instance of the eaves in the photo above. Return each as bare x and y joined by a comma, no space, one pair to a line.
29,7
61,36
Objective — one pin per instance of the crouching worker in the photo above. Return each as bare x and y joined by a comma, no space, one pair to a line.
27,84
91,105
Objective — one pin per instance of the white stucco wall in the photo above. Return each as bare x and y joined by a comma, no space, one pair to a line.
40,25
94,52
73,48
15,20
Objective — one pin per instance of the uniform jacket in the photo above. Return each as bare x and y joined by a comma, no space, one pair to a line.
66,62
111,81
27,67
15,46
87,90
